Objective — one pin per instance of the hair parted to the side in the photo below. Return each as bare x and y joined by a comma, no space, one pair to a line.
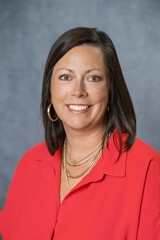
121,115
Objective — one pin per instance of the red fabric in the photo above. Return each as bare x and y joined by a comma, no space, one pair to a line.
117,200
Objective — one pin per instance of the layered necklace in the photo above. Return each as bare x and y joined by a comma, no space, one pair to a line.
90,160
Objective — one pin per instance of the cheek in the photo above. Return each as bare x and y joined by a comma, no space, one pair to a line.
105,94
57,92
102,95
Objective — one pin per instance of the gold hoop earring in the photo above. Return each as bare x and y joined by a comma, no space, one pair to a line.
49,114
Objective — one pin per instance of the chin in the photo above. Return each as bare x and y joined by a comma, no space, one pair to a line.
77,125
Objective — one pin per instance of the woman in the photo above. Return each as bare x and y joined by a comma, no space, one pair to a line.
91,179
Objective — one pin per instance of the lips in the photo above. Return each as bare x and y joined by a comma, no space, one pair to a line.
78,108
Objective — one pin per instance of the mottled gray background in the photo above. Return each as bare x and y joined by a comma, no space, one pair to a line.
27,31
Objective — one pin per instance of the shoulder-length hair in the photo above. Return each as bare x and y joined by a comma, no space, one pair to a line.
121,115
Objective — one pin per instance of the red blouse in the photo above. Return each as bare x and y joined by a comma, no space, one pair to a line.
117,200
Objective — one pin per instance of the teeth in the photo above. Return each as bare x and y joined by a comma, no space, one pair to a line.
78,108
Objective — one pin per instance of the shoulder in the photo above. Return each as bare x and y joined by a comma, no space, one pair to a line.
38,151
140,156
36,158
33,159
139,152
32,176
33,166
142,149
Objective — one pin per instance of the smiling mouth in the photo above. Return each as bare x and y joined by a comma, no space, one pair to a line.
78,107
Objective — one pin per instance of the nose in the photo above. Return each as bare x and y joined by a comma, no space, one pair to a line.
79,89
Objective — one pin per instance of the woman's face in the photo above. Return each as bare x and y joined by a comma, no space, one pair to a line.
80,88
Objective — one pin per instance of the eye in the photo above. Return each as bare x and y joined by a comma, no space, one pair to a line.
94,78
65,77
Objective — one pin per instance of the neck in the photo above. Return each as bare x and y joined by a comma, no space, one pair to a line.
81,143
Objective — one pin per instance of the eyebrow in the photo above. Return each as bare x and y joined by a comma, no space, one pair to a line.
87,71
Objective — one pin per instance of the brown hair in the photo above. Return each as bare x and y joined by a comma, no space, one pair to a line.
121,115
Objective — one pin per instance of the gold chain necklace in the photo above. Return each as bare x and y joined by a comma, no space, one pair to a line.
90,165
80,164
75,163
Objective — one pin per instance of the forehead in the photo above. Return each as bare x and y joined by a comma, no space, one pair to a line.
84,55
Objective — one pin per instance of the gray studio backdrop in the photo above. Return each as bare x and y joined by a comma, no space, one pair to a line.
27,31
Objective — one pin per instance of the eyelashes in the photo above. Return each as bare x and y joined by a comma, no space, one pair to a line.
65,77
93,78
